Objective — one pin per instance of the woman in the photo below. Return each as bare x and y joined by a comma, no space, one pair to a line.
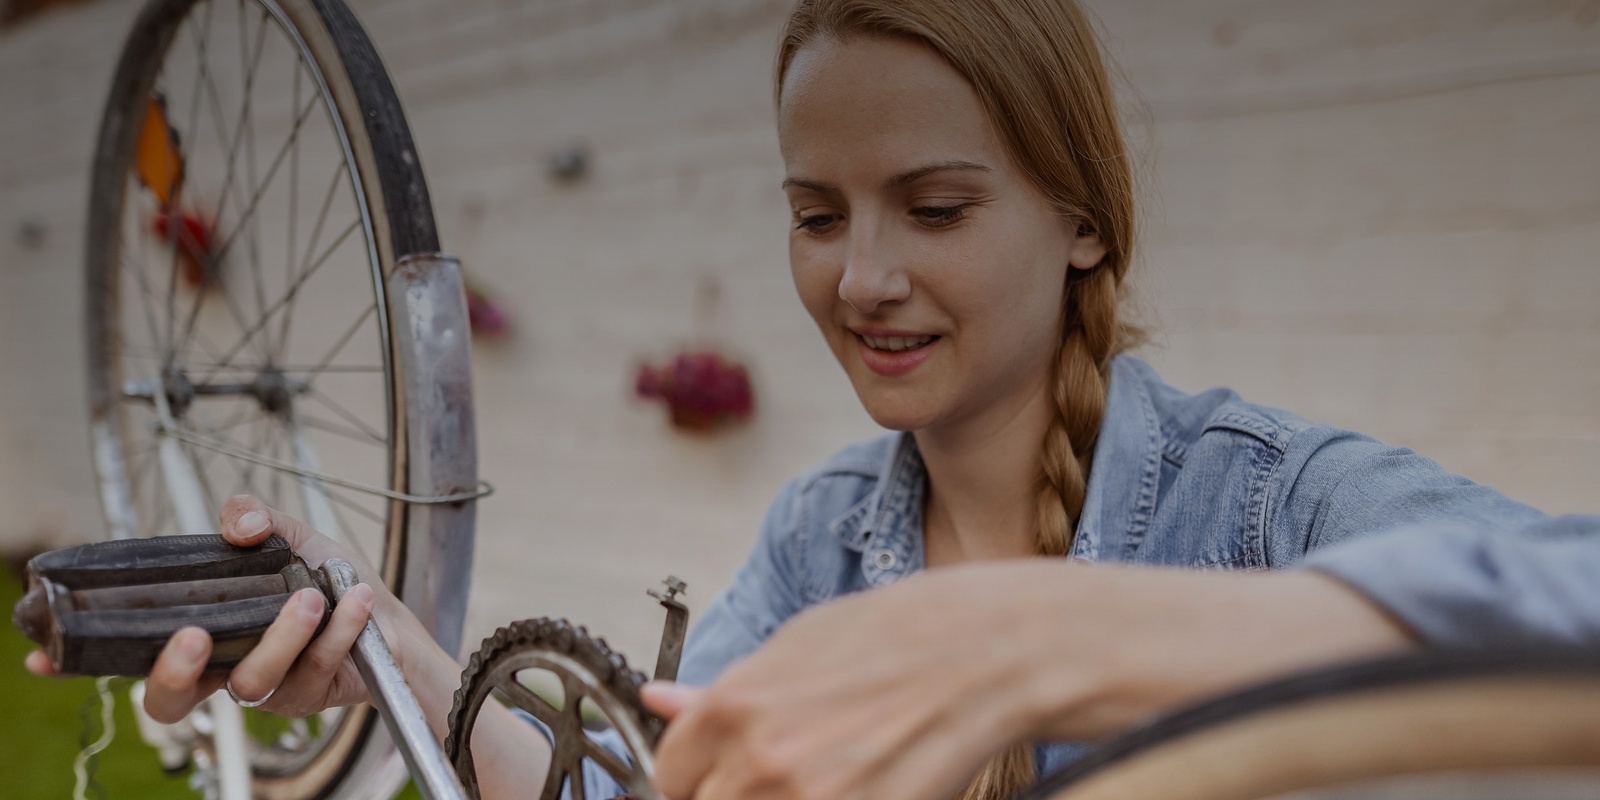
963,222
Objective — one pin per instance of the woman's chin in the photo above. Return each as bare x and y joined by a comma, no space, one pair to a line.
899,416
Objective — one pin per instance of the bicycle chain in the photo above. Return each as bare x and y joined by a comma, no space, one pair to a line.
618,687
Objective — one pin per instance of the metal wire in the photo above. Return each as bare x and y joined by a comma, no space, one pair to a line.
83,766
484,488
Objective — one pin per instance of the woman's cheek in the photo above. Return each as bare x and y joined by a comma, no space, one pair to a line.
815,282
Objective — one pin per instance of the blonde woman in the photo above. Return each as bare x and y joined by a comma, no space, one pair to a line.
963,222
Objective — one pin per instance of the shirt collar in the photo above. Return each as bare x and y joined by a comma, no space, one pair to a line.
886,525
1118,505
1125,475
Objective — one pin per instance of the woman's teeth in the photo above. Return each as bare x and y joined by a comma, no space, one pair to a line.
896,344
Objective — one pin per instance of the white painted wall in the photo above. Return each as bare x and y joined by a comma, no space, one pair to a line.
1384,215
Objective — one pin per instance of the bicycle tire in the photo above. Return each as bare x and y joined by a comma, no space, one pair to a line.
361,105
1512,715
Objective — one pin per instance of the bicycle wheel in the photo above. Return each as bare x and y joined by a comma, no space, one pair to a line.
1421,725
254,185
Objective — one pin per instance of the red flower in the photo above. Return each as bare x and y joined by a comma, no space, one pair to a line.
191,236
701,390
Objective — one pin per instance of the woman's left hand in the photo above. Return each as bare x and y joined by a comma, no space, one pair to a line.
904,693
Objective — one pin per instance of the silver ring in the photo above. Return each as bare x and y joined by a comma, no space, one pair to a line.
243,703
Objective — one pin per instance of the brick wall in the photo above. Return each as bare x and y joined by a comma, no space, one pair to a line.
1381,215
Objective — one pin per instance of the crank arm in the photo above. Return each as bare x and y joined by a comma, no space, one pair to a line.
109,608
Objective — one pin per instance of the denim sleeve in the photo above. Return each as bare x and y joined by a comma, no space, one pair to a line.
1473,585
765,592
1460,563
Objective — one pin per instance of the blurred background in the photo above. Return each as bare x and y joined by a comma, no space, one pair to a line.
1382,215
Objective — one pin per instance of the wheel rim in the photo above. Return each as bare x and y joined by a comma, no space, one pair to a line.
203,289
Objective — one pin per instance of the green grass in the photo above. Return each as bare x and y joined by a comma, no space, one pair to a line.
42,720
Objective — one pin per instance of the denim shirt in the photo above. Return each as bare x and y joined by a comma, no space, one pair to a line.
1204,481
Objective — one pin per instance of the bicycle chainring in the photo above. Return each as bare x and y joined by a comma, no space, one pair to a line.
588,670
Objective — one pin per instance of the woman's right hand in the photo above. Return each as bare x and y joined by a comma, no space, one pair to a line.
303,674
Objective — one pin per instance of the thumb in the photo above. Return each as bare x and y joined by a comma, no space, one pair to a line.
666,699
246,521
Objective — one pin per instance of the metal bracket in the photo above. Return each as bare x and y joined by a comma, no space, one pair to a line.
677,625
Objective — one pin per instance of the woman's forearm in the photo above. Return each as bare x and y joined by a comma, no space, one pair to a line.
509,755
1143,641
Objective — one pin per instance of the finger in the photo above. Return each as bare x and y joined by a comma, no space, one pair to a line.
686,753
321,660
666,699
246,521
259,674
175,683
38,663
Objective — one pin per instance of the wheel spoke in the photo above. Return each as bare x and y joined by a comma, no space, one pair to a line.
145,298
335,428
132,351
193,132
311,247
209,272
338,344
275,430
248,121
221,433
340,501
162,501
294,202
143,461
346,414
252,330
233,236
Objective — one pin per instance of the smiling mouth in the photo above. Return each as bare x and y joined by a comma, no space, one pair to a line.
897,344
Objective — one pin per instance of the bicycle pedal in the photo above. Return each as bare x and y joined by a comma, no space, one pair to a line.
108,608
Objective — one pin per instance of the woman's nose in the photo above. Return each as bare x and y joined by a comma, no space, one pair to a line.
873,277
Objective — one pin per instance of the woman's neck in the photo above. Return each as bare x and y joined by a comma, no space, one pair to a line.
983,477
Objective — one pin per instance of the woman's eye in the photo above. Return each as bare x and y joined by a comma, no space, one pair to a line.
814,223
938,216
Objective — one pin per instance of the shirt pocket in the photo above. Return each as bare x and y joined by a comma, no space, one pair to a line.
1214,515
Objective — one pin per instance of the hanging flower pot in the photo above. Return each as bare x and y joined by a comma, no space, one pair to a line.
702,390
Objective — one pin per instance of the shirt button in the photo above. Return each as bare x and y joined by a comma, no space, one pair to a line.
886,559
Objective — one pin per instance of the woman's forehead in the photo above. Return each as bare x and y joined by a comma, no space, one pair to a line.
882,104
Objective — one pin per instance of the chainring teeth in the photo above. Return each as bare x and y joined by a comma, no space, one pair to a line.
559,636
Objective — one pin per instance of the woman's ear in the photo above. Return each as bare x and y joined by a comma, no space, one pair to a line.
1087,250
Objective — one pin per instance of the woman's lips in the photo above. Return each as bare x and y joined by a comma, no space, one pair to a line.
894,363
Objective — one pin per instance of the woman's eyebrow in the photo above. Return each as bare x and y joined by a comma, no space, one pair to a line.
816,186
896,182
907,178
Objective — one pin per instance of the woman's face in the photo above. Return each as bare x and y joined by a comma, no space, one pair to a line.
933,267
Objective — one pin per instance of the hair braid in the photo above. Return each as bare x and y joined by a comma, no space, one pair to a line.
1090,337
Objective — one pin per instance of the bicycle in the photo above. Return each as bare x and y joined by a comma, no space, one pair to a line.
267,313
201,383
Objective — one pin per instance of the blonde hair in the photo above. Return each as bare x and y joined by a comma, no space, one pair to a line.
1037,69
